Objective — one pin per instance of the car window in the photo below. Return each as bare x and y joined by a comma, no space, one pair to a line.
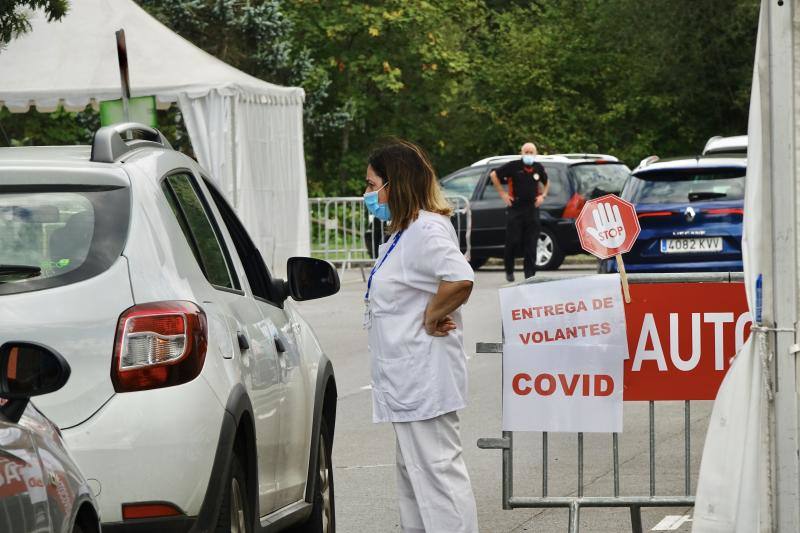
50,238
686,186
558,193
593,180
256,271
195,221
463,183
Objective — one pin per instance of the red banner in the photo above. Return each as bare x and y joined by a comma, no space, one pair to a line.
681,338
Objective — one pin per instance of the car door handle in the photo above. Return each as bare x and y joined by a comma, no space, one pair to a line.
242,338
279,345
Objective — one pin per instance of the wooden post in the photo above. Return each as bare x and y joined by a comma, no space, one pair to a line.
621,268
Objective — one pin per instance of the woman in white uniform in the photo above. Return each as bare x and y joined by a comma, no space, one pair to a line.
419,373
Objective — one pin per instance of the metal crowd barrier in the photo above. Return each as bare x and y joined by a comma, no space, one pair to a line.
575,503
344,233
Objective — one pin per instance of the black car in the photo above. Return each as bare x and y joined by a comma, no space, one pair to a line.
574,178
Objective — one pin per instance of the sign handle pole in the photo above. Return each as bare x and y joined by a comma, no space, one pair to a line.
621,268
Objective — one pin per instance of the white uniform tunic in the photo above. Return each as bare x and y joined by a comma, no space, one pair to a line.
416,376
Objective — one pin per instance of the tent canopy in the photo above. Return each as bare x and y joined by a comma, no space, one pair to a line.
75,60
247,133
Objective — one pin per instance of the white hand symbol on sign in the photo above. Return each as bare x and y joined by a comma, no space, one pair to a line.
609,230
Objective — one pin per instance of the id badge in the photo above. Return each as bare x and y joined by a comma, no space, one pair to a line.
367,315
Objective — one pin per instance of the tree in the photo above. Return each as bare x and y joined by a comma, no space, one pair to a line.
396,68
15,14
256,37
624,77
472,78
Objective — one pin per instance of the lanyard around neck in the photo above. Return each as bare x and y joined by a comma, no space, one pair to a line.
383,260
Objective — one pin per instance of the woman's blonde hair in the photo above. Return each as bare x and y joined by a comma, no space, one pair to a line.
412,183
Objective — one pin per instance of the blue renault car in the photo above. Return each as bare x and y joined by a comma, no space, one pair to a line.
690,211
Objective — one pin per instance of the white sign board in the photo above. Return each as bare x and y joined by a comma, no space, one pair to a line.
563,355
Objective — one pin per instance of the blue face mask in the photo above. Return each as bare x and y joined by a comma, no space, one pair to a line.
379,210
527,159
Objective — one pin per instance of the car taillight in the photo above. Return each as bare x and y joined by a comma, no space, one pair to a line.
655,214
159,344
726,211
574,206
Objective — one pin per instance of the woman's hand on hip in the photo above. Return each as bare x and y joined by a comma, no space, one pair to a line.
441,327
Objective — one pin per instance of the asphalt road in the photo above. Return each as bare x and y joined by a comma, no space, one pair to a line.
363,453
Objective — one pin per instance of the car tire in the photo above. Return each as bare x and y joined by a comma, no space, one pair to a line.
549,254
323,514
477,262
234,515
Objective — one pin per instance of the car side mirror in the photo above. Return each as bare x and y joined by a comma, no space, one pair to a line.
28,369
309,278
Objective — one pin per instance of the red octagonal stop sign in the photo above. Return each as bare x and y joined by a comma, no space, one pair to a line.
607,226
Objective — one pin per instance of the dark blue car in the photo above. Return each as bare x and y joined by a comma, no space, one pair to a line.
690,211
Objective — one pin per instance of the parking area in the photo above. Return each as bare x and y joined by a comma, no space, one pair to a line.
364,452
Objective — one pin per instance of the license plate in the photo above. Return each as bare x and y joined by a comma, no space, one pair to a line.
691,245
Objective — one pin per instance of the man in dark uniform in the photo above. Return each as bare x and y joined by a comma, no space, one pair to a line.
527,188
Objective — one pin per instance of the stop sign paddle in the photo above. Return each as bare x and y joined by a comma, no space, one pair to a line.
608,226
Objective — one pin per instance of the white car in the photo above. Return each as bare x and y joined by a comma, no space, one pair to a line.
200,400
41,488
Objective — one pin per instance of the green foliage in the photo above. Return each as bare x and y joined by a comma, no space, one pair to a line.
256,37
471,78
58,128
467,79
14,15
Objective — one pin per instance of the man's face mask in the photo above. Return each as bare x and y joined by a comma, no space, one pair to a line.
527,159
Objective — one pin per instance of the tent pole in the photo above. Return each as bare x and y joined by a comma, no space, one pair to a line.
232,152
784,262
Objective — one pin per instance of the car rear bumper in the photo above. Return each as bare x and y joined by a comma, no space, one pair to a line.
177,524
151,446
610,266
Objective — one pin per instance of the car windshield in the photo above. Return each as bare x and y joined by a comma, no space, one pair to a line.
682,186
594,180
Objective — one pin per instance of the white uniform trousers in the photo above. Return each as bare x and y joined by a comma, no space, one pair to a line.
433,485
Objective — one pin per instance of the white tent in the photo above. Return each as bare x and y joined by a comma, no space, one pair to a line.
749,478
246,132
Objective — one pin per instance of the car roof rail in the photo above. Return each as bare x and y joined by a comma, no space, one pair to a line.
711,140
648,161
589,156
109,144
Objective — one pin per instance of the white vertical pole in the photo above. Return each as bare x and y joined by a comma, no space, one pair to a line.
784,261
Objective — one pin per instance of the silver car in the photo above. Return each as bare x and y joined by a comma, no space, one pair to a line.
41,487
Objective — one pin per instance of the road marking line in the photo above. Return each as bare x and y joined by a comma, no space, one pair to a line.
672,522
358,467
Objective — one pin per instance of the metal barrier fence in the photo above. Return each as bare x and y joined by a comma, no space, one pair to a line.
344,233
575,503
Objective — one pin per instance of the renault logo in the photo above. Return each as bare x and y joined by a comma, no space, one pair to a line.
689,214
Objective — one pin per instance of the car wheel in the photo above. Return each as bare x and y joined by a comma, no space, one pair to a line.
548,252
323,515
234,515
477,262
